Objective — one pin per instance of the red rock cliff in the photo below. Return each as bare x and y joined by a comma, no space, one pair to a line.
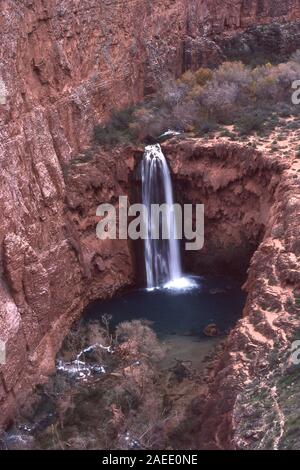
252,202
217,16
63,67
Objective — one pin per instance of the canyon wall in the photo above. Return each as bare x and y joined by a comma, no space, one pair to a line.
217,16
236,184
64,65
248,30
252,209
250,391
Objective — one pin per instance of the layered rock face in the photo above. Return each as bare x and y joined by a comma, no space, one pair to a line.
236,184
246,397
216,16
54,266
246,30
252,202
64,65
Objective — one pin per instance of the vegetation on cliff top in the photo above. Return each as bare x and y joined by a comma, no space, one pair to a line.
252,99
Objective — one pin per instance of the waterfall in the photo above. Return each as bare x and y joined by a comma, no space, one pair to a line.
162,257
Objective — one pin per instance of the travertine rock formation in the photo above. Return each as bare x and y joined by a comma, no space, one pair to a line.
252,201
259,347
236,184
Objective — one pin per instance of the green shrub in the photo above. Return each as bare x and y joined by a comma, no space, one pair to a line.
251,122
117,130
207,127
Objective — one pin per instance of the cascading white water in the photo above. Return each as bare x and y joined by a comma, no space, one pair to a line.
162,257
